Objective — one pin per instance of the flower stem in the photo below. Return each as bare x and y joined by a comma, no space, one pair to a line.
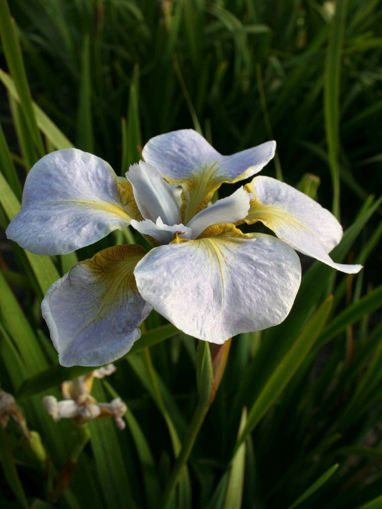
192,433
204,376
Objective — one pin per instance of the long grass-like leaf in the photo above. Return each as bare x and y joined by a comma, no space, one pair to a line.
109,461
85,138
20,331
286,369
50,130
149,469
55,375
131,130
7,167
315,486
234,493
331,97
16,66
376,503
42,266
352,314
9,469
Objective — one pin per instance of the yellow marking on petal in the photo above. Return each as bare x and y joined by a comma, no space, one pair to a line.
114,268
127,199
200,187
215,230
101,205
226,235
249,187
178,239
216,257
270,215
222,229
247,173
198,190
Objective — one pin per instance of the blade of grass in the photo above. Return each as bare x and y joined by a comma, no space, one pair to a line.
7,167
131,129
288,366
15,63
55,375
29,154
51,131
144,369
376,503
13,364
42,266
9,469
109,462
267,122
331,97
19,329
85,138
315,486
352,314
204,379
234,493
149,469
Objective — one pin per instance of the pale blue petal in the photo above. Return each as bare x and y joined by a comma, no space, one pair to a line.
182,154
154,196
297,220
178,153
214,288
71,199
247,163
227,210
94,311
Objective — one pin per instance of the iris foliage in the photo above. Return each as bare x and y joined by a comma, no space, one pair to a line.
295,419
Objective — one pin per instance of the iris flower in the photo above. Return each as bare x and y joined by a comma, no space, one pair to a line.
206,276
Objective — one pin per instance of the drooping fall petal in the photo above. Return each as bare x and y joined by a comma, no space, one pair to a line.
71,199
94,311
214,288
297,220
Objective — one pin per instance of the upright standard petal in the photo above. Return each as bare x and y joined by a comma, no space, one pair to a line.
214,288
227,210
71,199
154,196
296,219
179,154
185,157
94,311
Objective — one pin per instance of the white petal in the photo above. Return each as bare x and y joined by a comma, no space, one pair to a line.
244,164
227,210
94,311
186,158
178,153
71,199
214,288
161,232
154,196
298,220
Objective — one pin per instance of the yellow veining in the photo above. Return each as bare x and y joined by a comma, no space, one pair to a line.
114,267
105,206
270,215
222,230
226,234
198,190
216,258
127,199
